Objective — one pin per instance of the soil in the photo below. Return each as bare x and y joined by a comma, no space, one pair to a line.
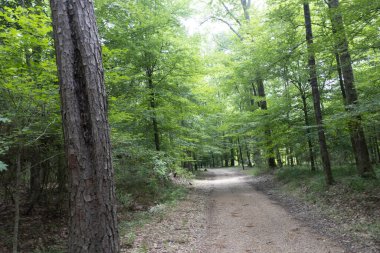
228,211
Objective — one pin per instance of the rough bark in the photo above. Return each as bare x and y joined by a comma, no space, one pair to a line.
92,217
316,97
358,139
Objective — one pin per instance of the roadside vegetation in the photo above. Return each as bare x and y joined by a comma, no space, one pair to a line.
352,203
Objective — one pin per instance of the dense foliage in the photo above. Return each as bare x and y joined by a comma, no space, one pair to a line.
178,102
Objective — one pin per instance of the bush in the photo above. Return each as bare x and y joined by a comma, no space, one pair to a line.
142,177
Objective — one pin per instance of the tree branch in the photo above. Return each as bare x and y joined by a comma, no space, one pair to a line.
225,22
230,13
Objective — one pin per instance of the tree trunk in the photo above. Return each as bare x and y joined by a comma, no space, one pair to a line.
308,132
268,132
93,221
232,152
257,157
360,147
62,181
377,150
246,4
17,202
249,157
279,158
153,106
195,161
316,97
343,91
241,154
291,157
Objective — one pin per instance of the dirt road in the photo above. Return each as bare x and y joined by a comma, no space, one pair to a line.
241,219
225,214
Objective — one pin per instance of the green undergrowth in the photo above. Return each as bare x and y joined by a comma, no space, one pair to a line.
130,221
144,178
352,200
254,171
312,184
145,186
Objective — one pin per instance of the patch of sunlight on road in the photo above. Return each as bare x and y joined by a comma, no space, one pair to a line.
225,181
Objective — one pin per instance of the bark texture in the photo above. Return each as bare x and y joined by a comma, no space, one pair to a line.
358,139
316,97
93,221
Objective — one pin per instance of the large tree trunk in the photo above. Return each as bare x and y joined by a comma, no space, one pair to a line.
358,140
316,97
93,221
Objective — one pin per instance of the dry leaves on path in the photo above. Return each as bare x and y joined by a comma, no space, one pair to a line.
180,229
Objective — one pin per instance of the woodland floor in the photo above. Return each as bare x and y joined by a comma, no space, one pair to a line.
228,211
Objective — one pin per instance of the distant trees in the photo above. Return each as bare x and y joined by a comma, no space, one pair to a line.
156,66
271,45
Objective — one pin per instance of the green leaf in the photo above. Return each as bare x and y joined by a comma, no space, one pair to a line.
3,166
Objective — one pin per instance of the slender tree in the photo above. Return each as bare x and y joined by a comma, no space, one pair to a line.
316,96
93,221
350,96
268,132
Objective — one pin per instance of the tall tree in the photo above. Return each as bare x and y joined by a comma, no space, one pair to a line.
316,96
350,95
261,93
93,221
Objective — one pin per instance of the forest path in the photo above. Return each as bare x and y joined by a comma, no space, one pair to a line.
241,219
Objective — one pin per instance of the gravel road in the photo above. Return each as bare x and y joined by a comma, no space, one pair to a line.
225,213
241,219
